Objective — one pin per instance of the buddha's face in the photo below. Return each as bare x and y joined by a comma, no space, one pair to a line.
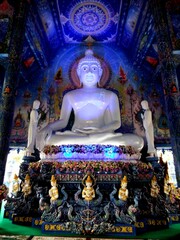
154,184
144,105
88,184
124,184
89,74
36,104
53,183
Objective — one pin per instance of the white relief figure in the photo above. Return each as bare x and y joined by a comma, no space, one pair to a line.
33,128
148,126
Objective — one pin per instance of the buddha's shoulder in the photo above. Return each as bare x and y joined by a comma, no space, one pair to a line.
108,92
72,92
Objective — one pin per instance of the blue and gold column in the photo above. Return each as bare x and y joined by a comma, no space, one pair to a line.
10,84
169,77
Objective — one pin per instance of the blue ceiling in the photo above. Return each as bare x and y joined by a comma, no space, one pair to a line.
54,24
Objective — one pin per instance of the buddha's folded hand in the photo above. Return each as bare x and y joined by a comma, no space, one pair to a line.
87,130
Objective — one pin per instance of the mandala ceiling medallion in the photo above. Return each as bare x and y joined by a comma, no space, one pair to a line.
89,18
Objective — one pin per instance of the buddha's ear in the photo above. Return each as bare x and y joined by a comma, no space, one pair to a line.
78,71
100,72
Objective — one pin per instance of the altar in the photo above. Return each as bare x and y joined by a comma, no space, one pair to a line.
108,212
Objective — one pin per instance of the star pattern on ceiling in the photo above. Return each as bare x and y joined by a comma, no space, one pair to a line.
89,18
85,18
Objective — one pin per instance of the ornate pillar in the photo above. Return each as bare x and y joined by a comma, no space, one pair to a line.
10,84
169,77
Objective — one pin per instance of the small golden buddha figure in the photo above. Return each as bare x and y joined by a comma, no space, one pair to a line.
154,187
53,192
123,191
15,186
88,192
172,193
167,187
178,193
26,189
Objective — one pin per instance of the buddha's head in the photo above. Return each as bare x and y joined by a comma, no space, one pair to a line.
36,104
53,181
124,181
27,178
15,177
145,104
89,69
89,181
154,181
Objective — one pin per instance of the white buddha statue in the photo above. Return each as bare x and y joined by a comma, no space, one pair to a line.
32,129
96,110
148,126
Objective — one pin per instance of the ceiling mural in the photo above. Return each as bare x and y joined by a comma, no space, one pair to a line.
55,24
115,21
130,26
89,18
